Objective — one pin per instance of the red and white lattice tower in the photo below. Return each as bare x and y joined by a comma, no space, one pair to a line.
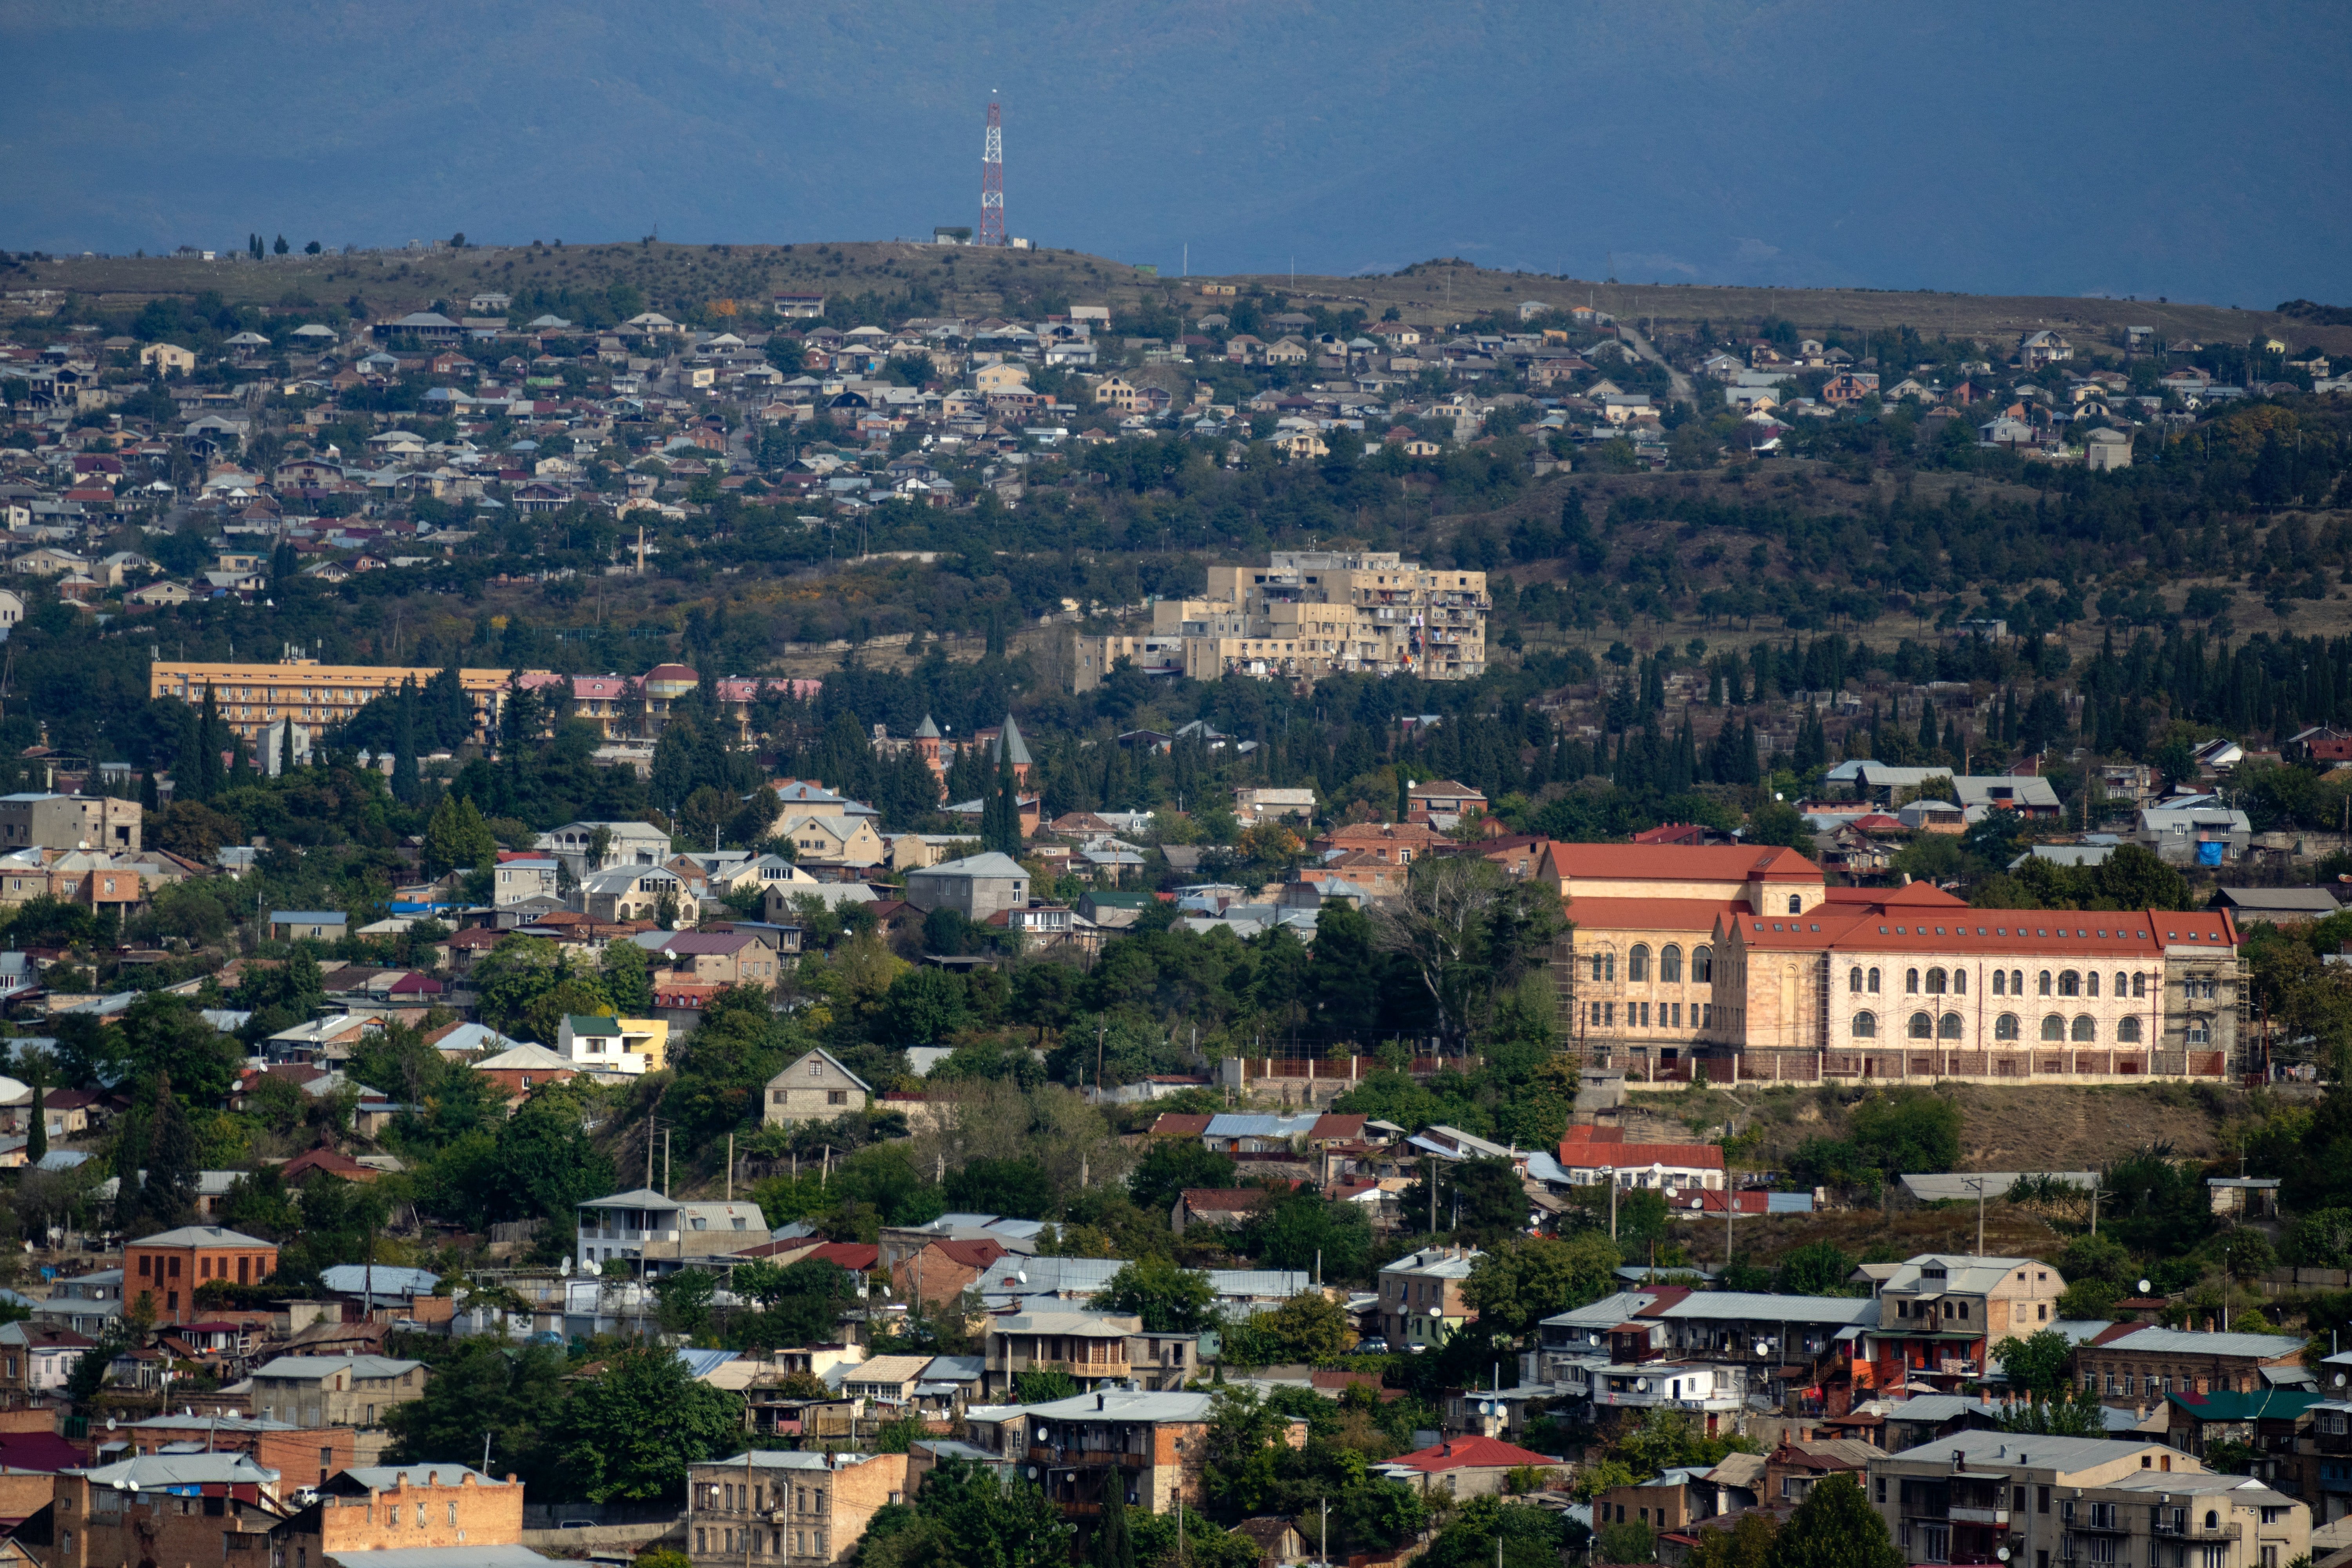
991,180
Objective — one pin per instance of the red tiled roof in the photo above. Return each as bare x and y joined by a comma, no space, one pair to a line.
856,1257
1473,1453
41,1451
2141,933
976,1253
1230,1200
1579,1156
1683,863
1328,1125
1587,1133
1180,1124
1694,915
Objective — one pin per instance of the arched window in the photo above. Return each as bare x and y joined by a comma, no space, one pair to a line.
2005,1027
1910,982
2000,983
2053,1028
1865,1025
1874,983
2045,982
2139,987
2086,1029
2091,984
1669,965
1947,1028
1796,904
2212,1520
1637,964
2070,983
2123,983
1702,966
1934,983
1854,981
2201,1033
2017,983
1923,1027
1959,982
2127,1031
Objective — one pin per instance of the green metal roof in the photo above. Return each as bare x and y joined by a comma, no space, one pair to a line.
2270,1405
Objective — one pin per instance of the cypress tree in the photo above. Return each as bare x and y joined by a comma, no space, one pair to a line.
1114,1544
36,1140
150,798
286,748
404,744
212,739
172,1160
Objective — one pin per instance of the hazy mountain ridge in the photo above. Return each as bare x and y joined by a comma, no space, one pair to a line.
1802,143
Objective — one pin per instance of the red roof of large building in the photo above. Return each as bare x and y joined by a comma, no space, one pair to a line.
2025,933
1473,1453
1180,1124
1581,1155
1697,916
1683,863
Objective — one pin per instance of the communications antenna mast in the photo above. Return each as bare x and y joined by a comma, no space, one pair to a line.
992,179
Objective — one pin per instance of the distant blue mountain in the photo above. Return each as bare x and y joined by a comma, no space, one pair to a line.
2163,148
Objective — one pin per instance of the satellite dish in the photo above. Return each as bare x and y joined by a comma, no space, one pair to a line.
1033,1472
1697,1203
110,1420
2339,1380
2145,1286
2002,1552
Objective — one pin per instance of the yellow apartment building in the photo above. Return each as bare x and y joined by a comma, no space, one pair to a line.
255,696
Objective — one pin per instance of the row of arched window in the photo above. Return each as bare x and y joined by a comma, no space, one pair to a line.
1669,965
2083,1030
2005,982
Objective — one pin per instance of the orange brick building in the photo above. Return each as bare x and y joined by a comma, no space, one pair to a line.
167,1268
387,1506
770,1505
302,1455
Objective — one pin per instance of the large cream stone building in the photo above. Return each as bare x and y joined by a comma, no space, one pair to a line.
1741,961
1306,614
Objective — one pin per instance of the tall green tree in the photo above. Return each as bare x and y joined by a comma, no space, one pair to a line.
1835,1527
1114,1547
37,1139
1169,1300
404,743
628,1435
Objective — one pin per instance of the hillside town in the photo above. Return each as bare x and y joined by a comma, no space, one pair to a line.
819,930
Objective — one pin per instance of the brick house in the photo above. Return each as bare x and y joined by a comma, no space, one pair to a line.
448,1507
1222,1207
1421,1295
817,1087
942,1270
772,1505
1466,1466
37,1358
162,1508
353,1391
167,1268
2140,1363
301,1456
524,1068
1152,1443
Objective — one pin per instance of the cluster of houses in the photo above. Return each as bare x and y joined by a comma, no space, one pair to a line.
2086,416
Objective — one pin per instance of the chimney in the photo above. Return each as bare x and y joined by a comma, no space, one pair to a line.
1449,1447
1099,1401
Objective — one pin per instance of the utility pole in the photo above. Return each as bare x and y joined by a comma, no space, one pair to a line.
731,1167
